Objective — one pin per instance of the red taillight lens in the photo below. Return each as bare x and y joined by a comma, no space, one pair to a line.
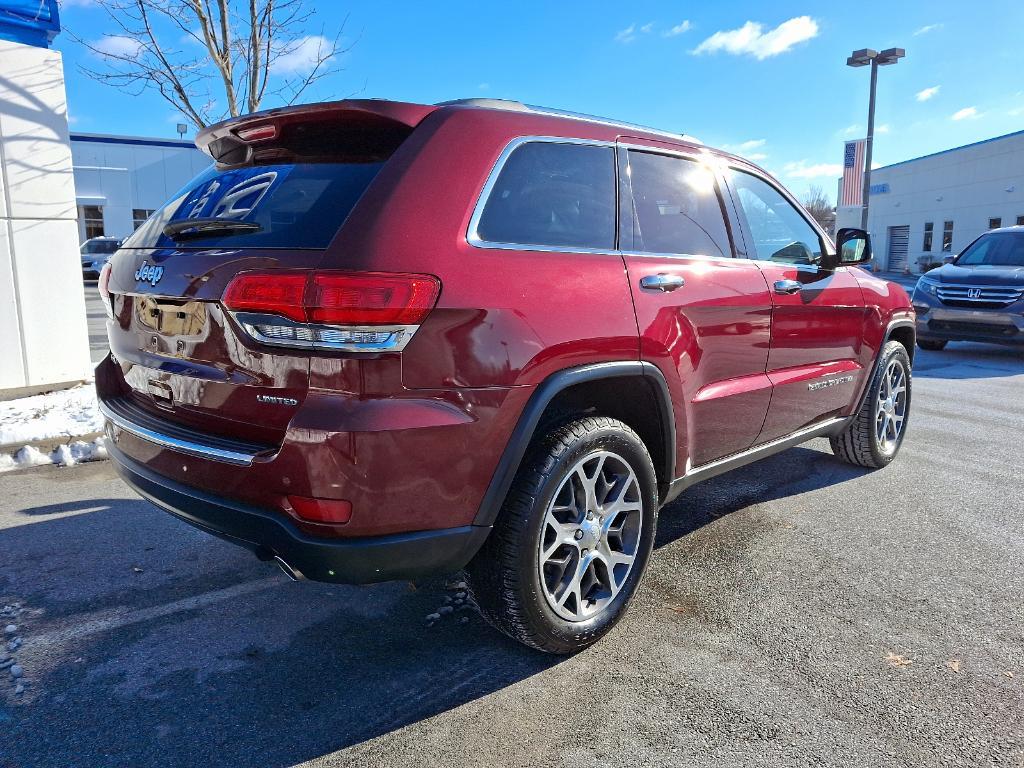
103,285
335,298
336,511
371,298
276,293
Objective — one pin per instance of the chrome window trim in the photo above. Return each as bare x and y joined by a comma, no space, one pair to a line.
238,458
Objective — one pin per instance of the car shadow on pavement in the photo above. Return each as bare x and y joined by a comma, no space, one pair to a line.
797,470
146,642
963,360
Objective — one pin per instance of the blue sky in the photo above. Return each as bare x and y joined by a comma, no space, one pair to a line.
767,80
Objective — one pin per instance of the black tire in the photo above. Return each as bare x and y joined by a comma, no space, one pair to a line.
505,575
931,345
859,442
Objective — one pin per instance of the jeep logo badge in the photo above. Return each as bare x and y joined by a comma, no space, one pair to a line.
147,273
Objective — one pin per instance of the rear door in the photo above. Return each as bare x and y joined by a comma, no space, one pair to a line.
703,315
817,311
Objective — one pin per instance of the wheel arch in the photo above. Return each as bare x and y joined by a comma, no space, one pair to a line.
574,390
904,331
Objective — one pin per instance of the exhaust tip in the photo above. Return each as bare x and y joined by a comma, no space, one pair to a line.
292,573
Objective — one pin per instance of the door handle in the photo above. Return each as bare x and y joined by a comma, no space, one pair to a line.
662,282
788,287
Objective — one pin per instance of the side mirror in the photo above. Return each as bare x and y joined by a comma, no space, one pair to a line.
853,246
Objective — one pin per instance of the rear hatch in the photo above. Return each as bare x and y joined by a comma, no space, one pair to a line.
284,184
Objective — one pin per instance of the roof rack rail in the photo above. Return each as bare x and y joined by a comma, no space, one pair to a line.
518,106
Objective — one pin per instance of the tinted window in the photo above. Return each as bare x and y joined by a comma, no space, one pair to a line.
779,231
677,206
1003,249
298,205
555,195
99,246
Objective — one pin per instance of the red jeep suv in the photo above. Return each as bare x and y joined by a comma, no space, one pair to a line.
379,340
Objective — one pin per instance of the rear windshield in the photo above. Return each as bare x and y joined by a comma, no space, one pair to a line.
99,246
299,205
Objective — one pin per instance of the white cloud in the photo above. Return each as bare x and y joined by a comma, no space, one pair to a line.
926,29
757,156
744,147
117,46
752,39
484,87
802,170
302,55
678,29
852,130
927,93
627,35
630,33
883,128
966,113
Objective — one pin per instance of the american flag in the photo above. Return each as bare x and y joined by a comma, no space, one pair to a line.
851,192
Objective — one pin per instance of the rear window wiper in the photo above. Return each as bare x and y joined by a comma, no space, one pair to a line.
189,228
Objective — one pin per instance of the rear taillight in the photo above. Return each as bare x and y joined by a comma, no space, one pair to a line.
347,311
103,285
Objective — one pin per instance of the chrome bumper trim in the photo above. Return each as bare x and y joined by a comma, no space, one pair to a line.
187,447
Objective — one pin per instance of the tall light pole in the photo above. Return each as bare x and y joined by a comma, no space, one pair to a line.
863,58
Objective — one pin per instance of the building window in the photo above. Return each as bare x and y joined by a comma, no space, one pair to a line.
995,223
92,220
928,227
1020,221
139,216
947,237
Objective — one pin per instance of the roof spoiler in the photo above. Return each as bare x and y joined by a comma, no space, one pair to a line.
262,135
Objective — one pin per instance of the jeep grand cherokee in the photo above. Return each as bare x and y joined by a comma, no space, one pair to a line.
380,340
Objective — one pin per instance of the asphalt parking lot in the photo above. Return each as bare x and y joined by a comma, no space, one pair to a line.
797,612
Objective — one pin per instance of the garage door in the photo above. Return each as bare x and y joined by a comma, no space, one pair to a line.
899,242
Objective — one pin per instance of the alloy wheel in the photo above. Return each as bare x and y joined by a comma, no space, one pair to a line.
891,409
590,536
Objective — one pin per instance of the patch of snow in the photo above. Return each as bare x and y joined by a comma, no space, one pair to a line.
67,413
63,455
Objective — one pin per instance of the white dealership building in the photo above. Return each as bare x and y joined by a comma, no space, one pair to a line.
121,180
928,208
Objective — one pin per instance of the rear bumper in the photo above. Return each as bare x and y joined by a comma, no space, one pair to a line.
347,561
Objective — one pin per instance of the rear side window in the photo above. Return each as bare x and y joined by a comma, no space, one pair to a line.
549,194
296,205
677,207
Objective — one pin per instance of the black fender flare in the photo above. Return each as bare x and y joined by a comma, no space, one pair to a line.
542,396
898,322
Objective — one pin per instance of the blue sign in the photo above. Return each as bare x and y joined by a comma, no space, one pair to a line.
32,22
880,189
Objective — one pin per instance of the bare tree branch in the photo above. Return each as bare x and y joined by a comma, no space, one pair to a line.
212,59
820,207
